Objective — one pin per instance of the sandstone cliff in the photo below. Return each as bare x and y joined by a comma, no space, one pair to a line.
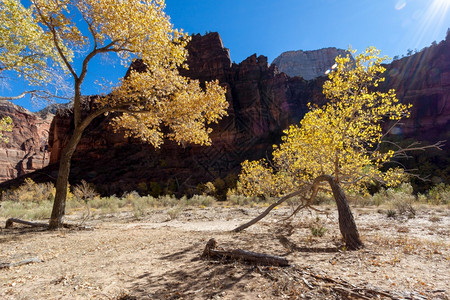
307,64
26,150
423,80
263,102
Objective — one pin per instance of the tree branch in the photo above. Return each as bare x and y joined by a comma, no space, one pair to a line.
34,93
266,212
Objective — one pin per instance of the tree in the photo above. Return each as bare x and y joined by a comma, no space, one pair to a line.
338,144
26,50
5,125
147,101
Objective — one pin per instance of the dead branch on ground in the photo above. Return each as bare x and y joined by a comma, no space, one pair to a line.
213,252
19,263
10,222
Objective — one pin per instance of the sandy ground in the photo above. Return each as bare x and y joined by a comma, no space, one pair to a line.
158,258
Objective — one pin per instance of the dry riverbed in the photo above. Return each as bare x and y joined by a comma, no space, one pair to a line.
158,257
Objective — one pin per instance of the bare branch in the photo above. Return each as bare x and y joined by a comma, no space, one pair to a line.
34,94
17,97
56,41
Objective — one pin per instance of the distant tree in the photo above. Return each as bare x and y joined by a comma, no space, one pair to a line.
337,144
158,97
5,125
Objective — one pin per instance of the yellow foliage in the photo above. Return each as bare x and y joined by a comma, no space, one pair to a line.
165,98
157,97
340,139
5,125
25,48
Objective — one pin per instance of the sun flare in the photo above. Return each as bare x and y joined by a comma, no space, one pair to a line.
433,19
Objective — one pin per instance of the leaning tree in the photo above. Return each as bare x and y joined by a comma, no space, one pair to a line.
335,146
147,102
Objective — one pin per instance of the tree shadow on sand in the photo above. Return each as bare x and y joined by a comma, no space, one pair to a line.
292,247
199,279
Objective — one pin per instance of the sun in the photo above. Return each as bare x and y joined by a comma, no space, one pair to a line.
438,10
434,19
440,6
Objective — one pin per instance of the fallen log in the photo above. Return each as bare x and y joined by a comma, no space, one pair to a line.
213,252
11,221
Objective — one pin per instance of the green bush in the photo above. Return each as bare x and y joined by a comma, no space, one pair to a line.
439,194
27,210
201,200
317,228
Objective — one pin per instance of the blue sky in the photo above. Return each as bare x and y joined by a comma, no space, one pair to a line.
270,27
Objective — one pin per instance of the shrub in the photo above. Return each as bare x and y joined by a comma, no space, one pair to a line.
139,205
84,191
401,198
28,210
174,212
317,228
168,201
207,188
220,189
201,200
30,191
155,189
391,213
439,194
131,196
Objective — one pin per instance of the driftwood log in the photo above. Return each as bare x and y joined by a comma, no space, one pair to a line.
11,221
213,252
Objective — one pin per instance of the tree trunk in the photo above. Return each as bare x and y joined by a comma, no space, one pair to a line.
347,223
59,205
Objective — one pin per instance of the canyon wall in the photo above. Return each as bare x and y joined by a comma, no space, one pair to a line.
308,64
26,151
263,101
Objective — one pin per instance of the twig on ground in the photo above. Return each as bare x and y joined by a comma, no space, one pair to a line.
19,263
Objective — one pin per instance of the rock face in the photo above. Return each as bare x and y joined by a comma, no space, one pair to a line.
423,80
307,64
26,150
263,102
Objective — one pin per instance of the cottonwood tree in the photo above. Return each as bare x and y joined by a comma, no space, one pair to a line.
337,145
148,101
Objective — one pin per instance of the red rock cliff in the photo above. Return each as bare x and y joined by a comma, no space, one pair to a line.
26,150
263,102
